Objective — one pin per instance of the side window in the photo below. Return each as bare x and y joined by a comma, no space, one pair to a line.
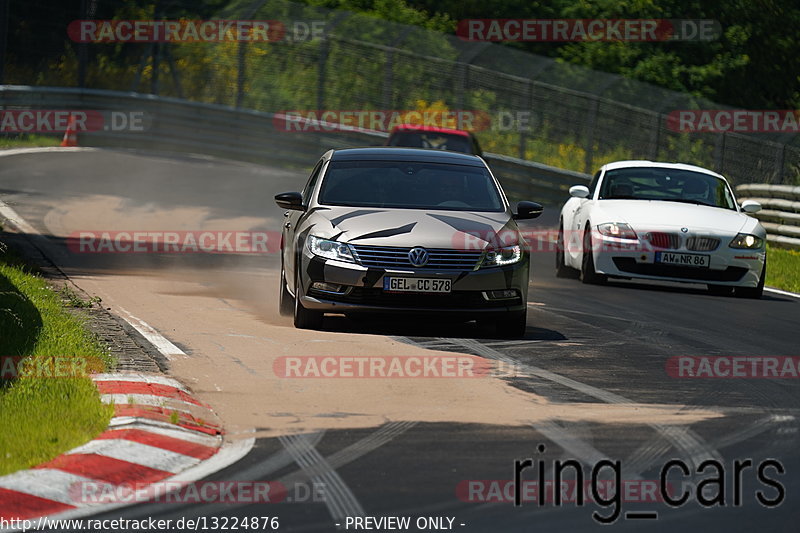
312,182
593,184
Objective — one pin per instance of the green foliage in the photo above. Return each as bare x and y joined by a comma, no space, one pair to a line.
783,269
44,414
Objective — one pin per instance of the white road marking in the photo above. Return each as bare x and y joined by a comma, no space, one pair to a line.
17,221
782,293
696,449
163,344
46,149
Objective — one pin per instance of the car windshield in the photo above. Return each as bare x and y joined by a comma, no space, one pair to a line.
410,185
667,184
433,140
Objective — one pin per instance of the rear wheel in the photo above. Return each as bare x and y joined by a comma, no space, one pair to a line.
562,270
754,292
588,273
304,318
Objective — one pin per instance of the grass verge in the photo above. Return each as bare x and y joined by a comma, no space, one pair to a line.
783,269
28,141
48,404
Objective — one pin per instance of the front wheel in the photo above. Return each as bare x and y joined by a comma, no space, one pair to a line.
562,270
588,273
285,299
720,290
512,326
757,291
304,318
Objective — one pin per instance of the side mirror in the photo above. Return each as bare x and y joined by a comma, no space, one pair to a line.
290,200
751,206
527,210
579,191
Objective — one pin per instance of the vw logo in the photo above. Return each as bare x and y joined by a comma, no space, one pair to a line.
684,230
418,257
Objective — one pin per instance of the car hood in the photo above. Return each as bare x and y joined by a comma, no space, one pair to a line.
412,227
644,214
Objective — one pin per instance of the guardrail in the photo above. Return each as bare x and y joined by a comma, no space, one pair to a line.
780,215
174,124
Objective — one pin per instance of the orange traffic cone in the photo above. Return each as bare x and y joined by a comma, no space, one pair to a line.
71,135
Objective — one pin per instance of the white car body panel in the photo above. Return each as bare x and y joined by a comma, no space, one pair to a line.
645,216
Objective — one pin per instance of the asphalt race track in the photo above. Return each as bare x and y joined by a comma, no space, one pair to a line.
594,359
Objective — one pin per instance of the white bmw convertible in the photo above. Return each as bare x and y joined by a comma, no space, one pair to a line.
662,221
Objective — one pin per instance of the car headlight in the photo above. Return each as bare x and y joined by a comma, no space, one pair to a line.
502,256
747,241
620,230
330,249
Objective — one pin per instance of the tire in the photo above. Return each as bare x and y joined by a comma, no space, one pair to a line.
588,273
720,290
562,270
754,292
512,326
304,318
286,300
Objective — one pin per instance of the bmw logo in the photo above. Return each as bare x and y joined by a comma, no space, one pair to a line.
418,257
684,230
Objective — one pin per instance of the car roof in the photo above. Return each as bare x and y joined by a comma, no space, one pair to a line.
645,163
436,129
396,153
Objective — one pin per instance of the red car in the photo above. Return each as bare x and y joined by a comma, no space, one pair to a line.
433,137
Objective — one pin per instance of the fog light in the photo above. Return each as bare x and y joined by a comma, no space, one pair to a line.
506,294
327,287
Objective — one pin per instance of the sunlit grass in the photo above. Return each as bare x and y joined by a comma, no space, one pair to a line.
783,269
48,409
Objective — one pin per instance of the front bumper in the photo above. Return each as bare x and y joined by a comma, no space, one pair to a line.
728,266
362,289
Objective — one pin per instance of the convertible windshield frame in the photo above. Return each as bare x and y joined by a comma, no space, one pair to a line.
667,184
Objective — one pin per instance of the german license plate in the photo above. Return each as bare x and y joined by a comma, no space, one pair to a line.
690,260
437,285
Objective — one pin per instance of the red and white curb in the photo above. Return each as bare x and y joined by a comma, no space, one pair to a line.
159,432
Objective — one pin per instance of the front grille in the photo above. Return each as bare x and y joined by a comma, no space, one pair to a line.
702,244
452,300
665,241
395,257
629,264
